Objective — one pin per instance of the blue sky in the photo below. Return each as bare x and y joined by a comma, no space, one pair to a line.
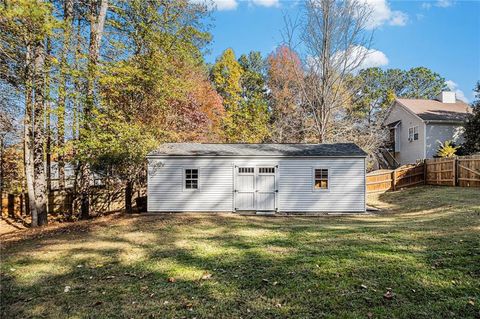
442,35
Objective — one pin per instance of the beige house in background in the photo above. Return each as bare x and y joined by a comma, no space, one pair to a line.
418,126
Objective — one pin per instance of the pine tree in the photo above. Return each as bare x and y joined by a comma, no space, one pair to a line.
472,126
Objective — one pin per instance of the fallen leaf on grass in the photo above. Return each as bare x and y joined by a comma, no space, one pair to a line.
471,302
370,315
363,286
66,289
98,303
171,279
206,276
388,295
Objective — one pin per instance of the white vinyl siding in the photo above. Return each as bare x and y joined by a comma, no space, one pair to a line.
346,184
409,152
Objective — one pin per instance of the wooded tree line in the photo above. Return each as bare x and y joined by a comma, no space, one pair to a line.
97,84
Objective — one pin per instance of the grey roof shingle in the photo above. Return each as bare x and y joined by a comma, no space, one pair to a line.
302,150
433,110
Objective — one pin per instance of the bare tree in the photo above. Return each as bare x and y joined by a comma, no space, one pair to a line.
334,39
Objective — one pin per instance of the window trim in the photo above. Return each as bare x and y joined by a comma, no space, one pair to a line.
184,179
329,172
412,130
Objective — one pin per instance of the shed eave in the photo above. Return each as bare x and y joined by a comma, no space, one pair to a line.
252,156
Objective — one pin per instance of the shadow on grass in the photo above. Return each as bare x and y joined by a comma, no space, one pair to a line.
152,266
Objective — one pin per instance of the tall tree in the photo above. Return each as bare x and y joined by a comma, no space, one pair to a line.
422,83
254,105
472,126
39,132
97,15
285,75
157,87
226,76
25,25
336,41
67,27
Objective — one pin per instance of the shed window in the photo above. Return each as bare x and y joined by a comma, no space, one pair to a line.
413,133
245,170
266,170
321,178
191,178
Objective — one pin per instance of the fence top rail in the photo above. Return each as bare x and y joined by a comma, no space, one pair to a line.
439,160
382,172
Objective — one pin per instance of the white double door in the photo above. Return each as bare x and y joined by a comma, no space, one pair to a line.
255,188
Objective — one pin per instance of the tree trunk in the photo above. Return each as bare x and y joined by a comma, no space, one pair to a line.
39,134
1,174
128,196
97,22
62,91
28,140
48,110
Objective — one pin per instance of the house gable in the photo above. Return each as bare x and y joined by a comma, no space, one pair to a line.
410,151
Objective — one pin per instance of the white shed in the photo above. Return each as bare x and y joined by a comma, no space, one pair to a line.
288,178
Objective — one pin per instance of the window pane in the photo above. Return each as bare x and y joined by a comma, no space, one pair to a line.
191,178
266,170
245,170
321,178
324,183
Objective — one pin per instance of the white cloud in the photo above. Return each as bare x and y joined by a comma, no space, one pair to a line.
438,3
426,5
373,58
383,14
220,5
224,5
266,3
398,18
452,86
444,3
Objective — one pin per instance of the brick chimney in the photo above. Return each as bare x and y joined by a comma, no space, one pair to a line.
447,97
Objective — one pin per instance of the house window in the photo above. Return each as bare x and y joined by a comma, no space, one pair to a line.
321,178
413,133
266,170
191,178
245,170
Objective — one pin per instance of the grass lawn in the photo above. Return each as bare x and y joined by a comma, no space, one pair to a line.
424,247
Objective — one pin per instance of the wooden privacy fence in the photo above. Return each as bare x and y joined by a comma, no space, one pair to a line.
461,171
404,176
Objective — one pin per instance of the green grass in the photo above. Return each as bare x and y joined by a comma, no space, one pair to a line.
424,246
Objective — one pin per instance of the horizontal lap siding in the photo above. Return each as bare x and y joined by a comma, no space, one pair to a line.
295,184
166,191
346,192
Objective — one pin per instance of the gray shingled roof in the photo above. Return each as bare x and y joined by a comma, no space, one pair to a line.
196,149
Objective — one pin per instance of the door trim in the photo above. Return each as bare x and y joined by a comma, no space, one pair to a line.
255,173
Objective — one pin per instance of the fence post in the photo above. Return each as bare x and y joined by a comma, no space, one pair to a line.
394,179
454,170
425,172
